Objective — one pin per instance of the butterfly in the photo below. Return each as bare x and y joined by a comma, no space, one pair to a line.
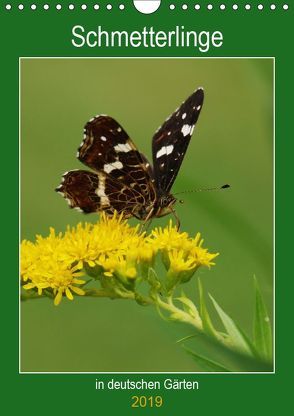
122,180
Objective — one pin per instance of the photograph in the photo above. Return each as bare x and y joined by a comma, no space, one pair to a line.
146,215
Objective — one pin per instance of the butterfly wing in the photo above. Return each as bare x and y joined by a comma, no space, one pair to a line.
108,148
170,142
123,177
92,192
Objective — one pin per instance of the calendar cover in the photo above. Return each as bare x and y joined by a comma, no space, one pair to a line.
146,198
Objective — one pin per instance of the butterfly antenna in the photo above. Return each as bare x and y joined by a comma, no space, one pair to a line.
217,188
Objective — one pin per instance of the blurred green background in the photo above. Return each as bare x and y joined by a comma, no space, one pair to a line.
233,143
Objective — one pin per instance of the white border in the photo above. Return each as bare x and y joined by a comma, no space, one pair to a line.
274,208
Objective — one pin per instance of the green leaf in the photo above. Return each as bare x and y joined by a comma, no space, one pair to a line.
188,305
152,279
205,363
176,316
230,357
208,327
184,306
187,337
237,337
262,332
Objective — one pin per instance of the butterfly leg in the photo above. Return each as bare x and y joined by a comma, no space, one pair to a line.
146,224
178,223
147,221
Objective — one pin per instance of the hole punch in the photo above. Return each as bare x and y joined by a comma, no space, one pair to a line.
147,6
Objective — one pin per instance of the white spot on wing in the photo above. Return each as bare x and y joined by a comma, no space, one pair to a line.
101,191
160,152
78,209
186,129
122,147
68,201
69,171
112,166
184,116
103,138
198,108
165,150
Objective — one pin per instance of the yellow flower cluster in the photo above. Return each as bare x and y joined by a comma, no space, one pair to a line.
181,254
45,265
53,265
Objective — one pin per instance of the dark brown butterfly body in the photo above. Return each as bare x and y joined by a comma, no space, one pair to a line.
160,207
122,180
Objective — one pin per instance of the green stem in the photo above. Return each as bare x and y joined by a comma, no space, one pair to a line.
182,316
104,293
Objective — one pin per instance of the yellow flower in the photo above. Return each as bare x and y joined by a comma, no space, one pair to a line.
123,267
179,262
60,279
202,257
27,258
109,263
43,266
111,235
53,264
146,251
169,238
